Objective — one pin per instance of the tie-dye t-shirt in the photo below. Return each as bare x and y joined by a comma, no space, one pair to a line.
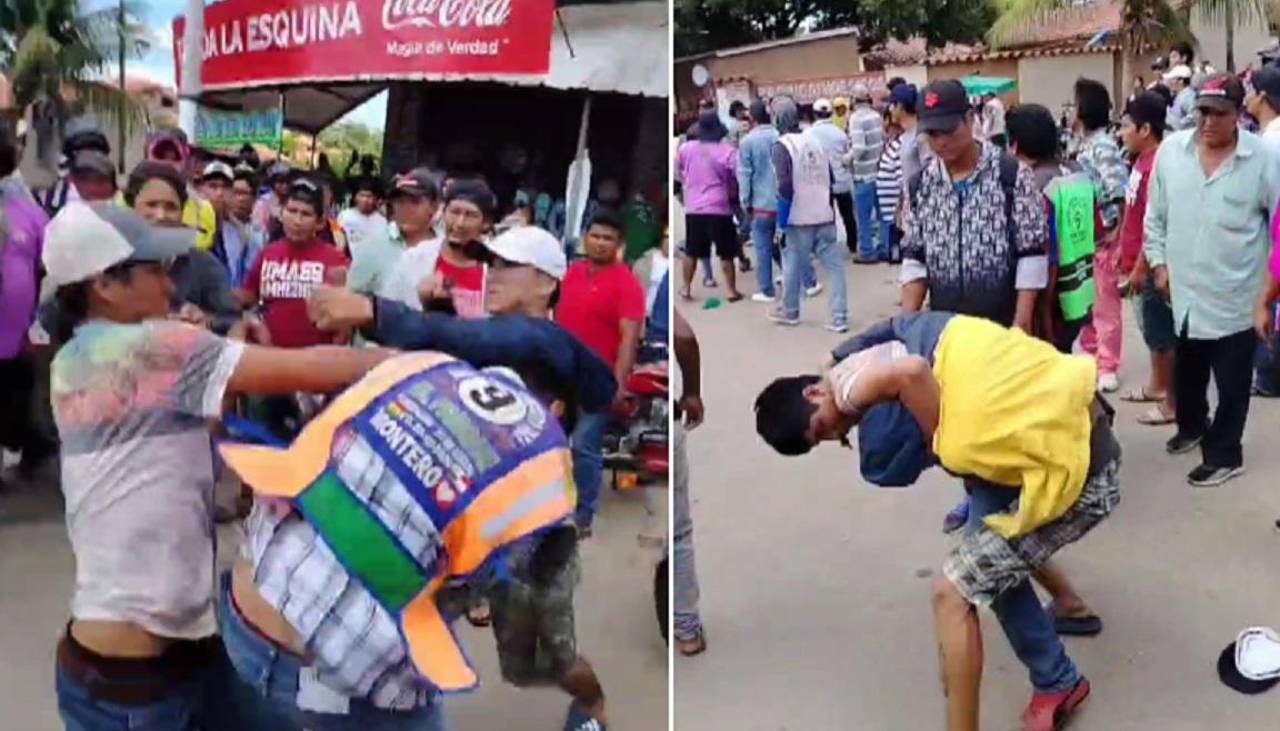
131,403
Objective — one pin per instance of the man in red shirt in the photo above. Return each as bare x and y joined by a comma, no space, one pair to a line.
284,274
455,275
602,304
1142,130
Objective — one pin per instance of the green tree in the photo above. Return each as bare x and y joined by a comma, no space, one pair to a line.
1231,13
339,140
937,21
1143,24
51,49
707,25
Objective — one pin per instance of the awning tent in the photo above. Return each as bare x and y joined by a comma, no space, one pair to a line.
596,45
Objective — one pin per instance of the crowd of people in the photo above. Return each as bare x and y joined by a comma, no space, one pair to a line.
134,316
1017,253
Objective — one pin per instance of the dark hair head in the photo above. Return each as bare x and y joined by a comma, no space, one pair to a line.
246,175
71,301
8,152
894,82
1188,53
1164,92
1148,108
476,192
1032,129
149,170
736,107
1093,103
541,381
306,190
608,218
759,112
783,414
366,183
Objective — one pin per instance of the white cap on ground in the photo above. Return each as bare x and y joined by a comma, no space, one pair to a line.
533,246
1181,71
822,106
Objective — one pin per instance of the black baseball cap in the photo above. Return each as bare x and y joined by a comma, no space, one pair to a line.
1149,107
1266,80
418,183
942,106
1230,675
1222,92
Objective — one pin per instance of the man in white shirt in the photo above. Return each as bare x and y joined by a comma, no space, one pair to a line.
1182,111
1263,102
363,222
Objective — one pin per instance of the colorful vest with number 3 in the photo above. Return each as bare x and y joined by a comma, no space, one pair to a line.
1074,212
472,462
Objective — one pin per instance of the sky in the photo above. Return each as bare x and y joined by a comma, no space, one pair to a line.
158,64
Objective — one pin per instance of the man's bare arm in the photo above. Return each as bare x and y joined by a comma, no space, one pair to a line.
1025,313
316,370
688,355
627,350
913,294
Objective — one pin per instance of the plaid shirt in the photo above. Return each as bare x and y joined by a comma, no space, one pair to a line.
1102,161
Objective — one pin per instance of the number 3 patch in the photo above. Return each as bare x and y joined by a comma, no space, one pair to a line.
492,401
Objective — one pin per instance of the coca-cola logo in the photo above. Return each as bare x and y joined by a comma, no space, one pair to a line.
445,13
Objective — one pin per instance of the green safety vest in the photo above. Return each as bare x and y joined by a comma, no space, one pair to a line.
1073,198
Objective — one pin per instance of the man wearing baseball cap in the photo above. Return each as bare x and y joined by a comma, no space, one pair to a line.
1178,79
131,393
82,133
93,174
1212,197
390,262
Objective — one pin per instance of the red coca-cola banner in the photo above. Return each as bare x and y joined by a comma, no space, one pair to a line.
263,42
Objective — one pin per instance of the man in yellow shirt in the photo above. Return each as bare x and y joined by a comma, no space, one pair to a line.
170,146
1022,424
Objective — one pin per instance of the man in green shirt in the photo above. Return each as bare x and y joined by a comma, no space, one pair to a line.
1212,196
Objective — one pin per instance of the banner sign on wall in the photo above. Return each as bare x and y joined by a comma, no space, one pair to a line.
266,42
809,91
217,129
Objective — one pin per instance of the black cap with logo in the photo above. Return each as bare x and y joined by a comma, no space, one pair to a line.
942,106
1221,92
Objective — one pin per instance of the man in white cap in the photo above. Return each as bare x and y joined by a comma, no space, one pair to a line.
836,142
866,142
1182,111
132,393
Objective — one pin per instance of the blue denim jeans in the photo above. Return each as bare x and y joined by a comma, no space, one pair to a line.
808,276
1266,366
588,464
273,675
80,711
1025,622
685,601
763,229
804,242
866,206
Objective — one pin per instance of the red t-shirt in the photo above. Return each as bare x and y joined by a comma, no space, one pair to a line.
468,287
1135,209
593,305
282,278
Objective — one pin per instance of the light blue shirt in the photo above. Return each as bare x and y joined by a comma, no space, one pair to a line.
757,181
1212,234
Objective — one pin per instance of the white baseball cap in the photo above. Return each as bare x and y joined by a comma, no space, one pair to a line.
218,167
86,239
1181,71
822,105
532,246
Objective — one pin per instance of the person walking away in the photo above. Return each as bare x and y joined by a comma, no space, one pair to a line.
866,141
1209,259
601,304
708,169
835,140
22,240
82,134
1263,102
758,189
690,637
975,234
1101,160
132,395
240,240
439,274
805,216
1142,131
1071,206
889,180
1182,110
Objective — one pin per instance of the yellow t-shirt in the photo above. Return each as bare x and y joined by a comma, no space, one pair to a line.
1014,411
198,214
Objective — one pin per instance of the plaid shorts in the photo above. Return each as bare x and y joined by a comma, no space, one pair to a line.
984,564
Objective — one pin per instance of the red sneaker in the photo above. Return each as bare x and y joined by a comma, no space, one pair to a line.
1050,711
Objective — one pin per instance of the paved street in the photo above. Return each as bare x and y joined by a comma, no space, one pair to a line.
815,585
617,629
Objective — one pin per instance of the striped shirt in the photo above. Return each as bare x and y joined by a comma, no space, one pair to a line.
889,180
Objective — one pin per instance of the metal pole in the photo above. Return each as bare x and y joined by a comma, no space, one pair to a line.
192,59
120,117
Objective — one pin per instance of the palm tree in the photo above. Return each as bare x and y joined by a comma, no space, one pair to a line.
1143,24
1230,13
56,54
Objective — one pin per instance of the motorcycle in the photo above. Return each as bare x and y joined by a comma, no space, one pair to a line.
636,438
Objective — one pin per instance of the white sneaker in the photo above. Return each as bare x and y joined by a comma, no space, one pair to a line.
1108,383
814,291
762,297
838,327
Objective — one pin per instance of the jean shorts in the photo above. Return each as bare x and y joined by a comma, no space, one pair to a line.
1156,319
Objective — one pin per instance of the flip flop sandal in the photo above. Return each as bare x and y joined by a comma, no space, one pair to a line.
1087,626
735,297
1156,417
1140,396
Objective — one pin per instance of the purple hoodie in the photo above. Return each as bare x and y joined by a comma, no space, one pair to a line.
22,227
